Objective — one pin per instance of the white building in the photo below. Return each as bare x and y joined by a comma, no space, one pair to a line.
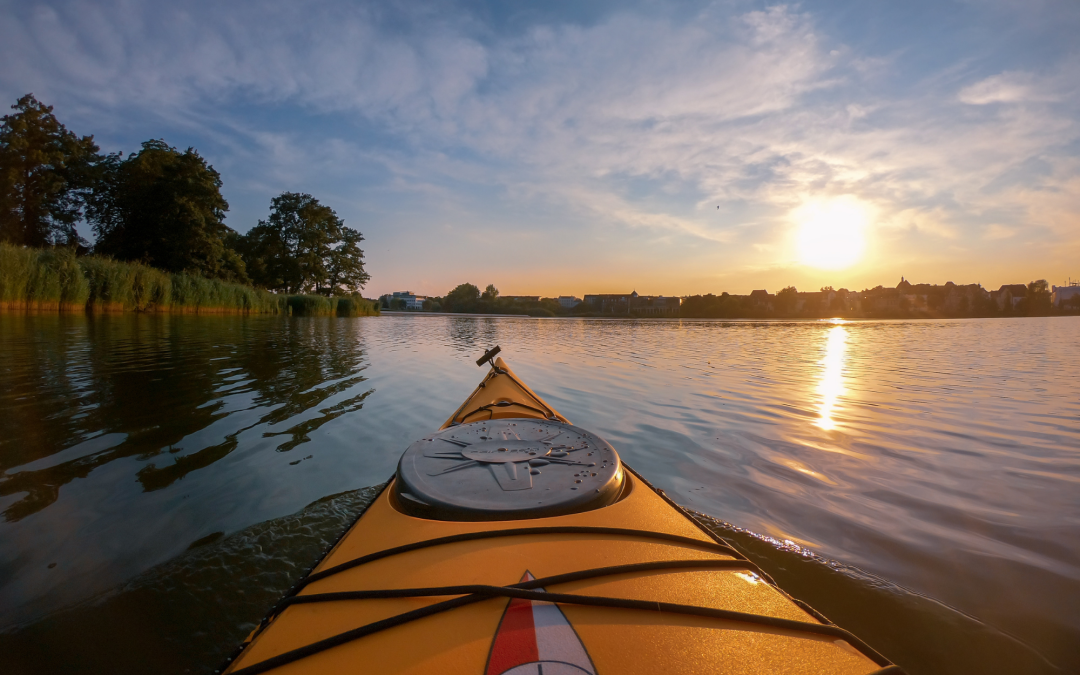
569,301
413,302
1060,294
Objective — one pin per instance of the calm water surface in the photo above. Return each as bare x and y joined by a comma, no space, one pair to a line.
163,479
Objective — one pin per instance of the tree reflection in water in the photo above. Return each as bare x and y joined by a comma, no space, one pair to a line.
160,384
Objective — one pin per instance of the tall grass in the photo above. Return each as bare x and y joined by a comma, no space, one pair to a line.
311,305
318,305
41,279
56,279
354,305
196,294
118,287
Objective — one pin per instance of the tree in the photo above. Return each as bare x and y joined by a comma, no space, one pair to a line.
346,266
45,174
490,293
303,247
786,300
164,207
462,299
1038,297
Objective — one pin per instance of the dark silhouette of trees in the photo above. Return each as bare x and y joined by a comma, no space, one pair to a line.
709,305
164,208
786,300
303,247
1038,297
463,298
46,172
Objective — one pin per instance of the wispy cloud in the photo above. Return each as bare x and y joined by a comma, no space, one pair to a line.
641,120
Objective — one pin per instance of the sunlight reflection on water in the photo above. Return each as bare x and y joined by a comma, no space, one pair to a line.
832,376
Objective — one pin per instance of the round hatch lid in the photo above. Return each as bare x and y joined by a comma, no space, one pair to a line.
507,469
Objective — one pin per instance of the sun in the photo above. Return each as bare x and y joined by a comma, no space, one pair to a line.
831,232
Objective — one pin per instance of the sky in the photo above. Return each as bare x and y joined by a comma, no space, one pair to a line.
555,147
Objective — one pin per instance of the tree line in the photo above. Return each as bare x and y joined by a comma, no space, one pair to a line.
469,299
937,302
162,207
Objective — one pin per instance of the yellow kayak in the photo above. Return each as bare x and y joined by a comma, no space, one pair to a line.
511,542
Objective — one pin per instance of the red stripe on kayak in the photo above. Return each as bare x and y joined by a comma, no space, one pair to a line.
515,640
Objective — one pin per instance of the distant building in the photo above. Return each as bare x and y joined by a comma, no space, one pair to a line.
814,301
569,301
632,303
610,303
881,299
849,301
913,296
656,305
1062,294
413,302
761,299
963,299
1009,295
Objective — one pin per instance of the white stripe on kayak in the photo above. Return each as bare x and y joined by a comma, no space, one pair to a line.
556,639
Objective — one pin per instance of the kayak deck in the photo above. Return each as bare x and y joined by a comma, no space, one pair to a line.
648,591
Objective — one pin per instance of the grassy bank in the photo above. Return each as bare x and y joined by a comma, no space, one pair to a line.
57,280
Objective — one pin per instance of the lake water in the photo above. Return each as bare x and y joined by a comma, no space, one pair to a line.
163,479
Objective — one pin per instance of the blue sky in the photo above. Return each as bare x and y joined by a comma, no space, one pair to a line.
569,147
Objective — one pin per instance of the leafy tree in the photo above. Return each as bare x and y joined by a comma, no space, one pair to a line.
490,293
45,174
462,299
303,247
786,299
1038,297
346,265
164,207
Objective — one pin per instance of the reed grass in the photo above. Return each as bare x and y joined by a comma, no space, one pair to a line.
45,279
118,287
196,294
311,305
354,305
55,279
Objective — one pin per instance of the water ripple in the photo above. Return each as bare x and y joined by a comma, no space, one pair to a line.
938,455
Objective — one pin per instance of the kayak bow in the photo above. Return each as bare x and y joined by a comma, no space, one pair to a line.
511,542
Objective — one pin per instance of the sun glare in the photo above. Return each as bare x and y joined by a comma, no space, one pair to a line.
831,232
831,386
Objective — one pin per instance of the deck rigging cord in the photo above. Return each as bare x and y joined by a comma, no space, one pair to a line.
473,593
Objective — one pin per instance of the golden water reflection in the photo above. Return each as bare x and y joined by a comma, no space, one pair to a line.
832,375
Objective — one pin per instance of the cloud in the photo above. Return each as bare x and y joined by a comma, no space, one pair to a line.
1004,88
638,120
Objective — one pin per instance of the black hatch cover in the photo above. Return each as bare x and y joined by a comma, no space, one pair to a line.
507,469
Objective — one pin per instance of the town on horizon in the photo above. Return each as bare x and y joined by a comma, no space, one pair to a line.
906,299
